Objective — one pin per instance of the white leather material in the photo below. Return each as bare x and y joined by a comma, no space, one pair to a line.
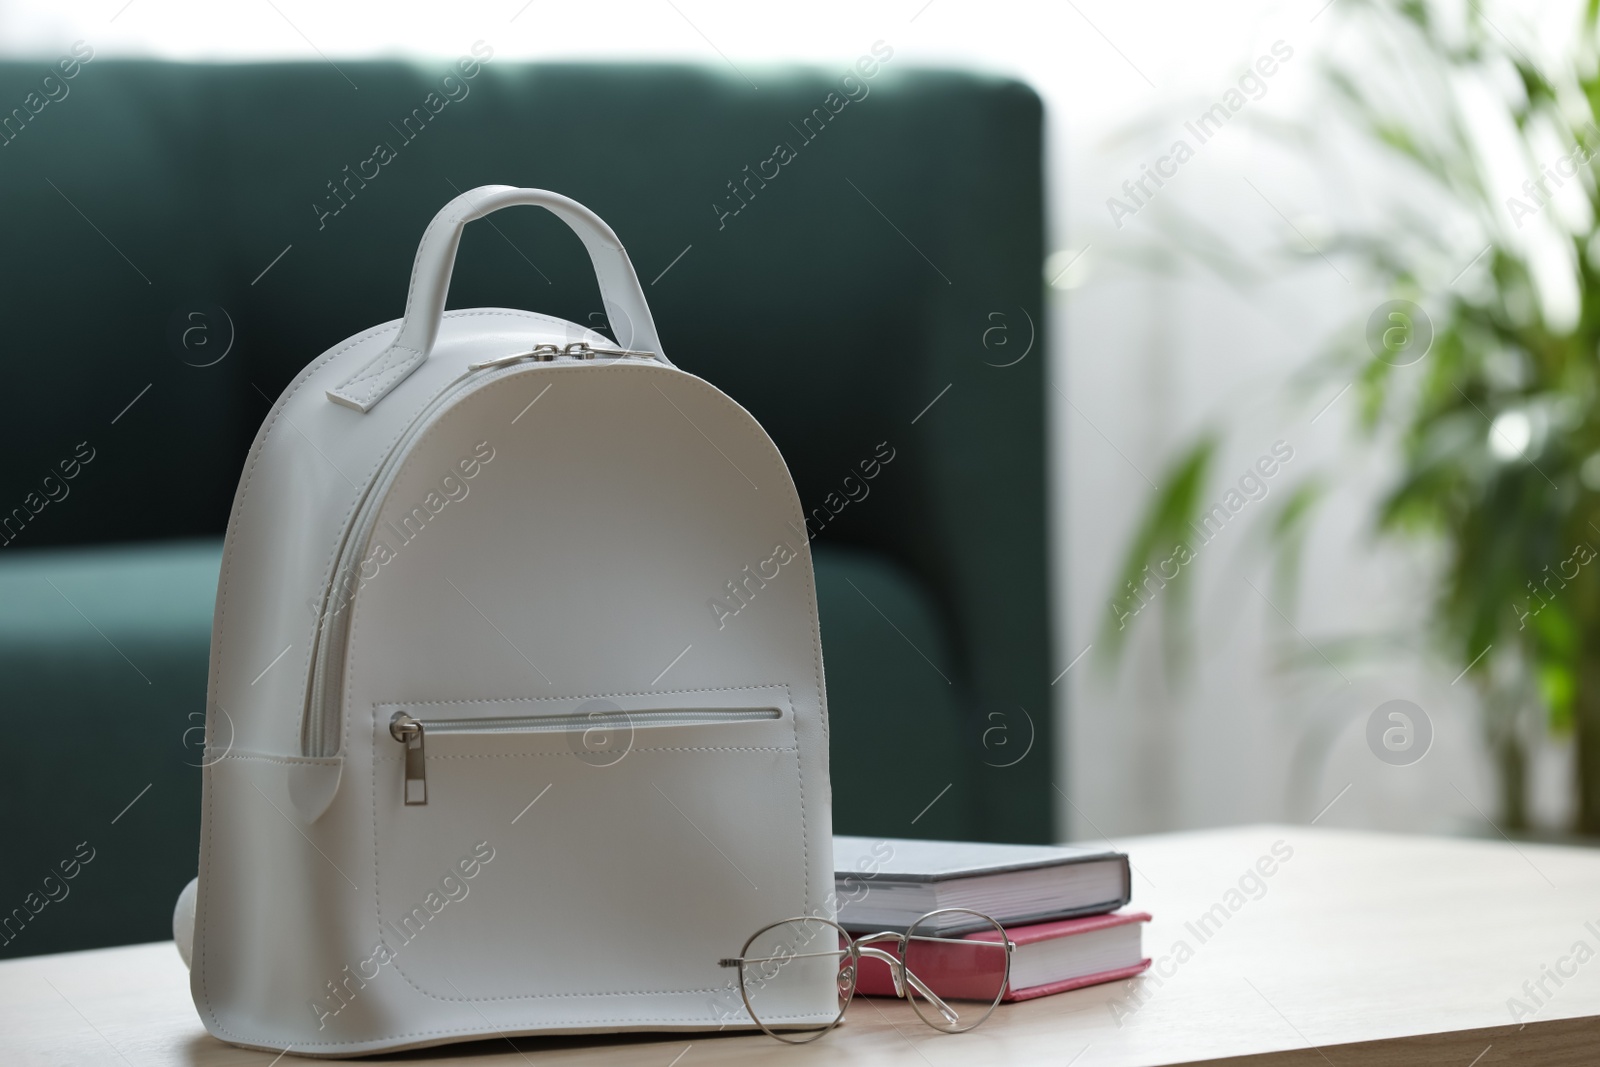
555,536
183,921
623,299
312,784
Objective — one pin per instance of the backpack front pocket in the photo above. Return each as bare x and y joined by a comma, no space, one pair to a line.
590,830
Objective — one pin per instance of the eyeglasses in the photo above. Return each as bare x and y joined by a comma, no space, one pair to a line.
797,976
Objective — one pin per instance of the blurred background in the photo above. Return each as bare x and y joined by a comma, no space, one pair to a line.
1330,280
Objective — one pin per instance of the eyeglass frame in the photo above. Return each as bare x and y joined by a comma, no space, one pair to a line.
858,948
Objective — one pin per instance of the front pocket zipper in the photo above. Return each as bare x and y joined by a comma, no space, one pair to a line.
412,732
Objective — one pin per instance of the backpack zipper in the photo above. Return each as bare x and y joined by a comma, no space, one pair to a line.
576,350
413,732
319,735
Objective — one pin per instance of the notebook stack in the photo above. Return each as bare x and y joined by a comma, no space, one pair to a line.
1059,905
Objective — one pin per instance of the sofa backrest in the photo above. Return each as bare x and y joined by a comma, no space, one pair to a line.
854,258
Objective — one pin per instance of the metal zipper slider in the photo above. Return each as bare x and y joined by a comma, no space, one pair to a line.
408,731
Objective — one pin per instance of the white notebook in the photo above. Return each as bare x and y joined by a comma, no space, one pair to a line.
888,883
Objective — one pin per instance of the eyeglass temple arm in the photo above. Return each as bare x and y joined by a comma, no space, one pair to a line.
897,969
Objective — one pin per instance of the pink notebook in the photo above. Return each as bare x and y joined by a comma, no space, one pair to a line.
1050,957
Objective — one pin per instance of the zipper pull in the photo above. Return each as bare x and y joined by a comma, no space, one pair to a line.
408,731
581,350
538,354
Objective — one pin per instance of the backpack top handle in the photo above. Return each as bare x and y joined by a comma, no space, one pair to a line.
620,291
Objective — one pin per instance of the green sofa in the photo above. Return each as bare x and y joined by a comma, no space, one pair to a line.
182,239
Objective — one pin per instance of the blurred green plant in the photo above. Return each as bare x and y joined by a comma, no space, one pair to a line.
1496,422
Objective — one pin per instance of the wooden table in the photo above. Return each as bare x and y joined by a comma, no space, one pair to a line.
1359,948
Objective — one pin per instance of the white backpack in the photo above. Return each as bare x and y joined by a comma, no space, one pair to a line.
516,717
